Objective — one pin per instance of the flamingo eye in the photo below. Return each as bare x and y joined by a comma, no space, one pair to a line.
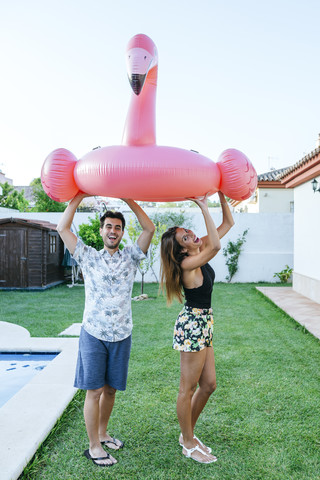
145,57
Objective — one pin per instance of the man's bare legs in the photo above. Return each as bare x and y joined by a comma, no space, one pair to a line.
97,410
195,367
106,405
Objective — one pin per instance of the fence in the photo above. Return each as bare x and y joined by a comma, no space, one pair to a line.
268,247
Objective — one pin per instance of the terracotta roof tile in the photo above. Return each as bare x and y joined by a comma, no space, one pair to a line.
272,176
301,162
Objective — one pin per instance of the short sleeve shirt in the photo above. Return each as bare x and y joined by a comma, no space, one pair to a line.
108,281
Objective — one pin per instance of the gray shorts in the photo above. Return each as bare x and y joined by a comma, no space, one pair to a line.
102,363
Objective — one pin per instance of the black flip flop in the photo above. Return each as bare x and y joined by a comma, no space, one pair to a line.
113,441
86,453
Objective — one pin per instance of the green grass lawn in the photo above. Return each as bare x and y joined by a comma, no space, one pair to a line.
262,422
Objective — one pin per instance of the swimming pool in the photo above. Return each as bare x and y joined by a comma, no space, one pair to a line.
17,369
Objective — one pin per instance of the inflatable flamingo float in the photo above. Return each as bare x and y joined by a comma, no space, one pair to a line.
140,169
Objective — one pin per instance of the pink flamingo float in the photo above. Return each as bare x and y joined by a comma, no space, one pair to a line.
140,169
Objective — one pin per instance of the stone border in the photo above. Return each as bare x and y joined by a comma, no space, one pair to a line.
29,416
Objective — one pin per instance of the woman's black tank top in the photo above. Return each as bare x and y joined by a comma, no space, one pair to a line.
201,297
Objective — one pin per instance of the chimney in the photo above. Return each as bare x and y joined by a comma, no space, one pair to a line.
318,141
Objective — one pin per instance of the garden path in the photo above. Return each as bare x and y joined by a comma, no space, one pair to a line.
302,309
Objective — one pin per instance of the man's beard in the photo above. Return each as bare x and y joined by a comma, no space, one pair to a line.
112,246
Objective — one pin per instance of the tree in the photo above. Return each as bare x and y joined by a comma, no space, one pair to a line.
43,202
11,198
162,222
134,229
213,203
90,233
172,219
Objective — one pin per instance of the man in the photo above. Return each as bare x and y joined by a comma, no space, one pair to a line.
105,338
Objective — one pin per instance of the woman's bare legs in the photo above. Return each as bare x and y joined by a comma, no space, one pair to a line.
194,369
207,385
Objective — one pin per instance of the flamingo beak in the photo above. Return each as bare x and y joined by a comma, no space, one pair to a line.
137,81
139,62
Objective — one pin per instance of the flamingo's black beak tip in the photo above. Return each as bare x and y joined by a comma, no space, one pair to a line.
137,81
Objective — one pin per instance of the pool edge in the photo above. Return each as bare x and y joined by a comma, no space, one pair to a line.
29,416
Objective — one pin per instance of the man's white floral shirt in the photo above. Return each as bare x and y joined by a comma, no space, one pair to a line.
108,283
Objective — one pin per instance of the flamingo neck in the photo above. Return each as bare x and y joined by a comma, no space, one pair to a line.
140,126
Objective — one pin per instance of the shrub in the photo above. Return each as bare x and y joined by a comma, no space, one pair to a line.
232,253
285,274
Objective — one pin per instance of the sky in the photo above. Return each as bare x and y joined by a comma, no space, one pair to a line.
232,74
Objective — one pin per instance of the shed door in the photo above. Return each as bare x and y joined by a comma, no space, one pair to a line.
13,258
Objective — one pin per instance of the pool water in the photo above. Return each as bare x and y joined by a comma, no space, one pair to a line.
17,369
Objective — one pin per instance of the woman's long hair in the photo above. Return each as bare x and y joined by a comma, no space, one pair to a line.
171,258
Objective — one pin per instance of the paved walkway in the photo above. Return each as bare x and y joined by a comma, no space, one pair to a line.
9,332
72,331
301,308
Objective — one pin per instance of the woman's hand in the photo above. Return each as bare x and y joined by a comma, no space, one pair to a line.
222,198
202,202
227,219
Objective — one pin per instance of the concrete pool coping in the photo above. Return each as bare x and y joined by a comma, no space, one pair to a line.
29,416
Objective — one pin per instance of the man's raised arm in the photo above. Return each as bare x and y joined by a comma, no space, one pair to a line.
64,225
147,225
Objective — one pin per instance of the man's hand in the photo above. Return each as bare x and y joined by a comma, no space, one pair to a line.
148,227
64,225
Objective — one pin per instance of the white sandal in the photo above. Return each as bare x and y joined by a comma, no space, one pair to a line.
199,441
198,449
203,445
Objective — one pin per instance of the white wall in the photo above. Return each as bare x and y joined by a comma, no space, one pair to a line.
306,279
10,212
268,200
275,200
269,245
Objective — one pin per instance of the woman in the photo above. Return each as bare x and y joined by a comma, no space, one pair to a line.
184,266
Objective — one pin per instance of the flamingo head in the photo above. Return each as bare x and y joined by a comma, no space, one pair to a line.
142,56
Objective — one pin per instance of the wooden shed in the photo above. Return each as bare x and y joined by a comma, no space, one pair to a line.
31,254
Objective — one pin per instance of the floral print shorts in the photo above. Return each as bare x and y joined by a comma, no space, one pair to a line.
193,329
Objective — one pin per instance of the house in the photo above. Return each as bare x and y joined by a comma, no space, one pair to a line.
295,189
271,196
31,254
304,180
4,179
